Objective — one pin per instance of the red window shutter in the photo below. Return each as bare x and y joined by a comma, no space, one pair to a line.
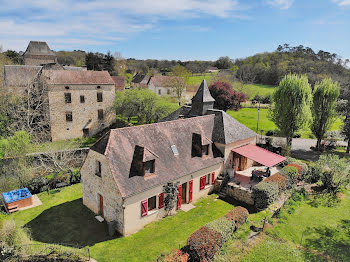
213,178
202,182
190,191
179,197
144,207
161,200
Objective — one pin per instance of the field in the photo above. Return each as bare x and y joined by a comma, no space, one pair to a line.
249,117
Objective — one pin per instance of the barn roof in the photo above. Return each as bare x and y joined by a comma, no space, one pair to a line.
119,82
20,75
164,81
38,48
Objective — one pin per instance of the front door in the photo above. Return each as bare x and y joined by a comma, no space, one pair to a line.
183,193
100,205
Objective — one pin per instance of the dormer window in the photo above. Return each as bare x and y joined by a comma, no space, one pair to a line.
205,150
148,166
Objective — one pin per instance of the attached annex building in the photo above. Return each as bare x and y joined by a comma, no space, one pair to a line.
125,171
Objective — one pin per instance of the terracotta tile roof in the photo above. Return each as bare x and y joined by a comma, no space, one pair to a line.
77,77
119,82
163,81
156,139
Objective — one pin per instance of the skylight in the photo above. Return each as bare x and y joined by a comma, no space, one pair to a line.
173,147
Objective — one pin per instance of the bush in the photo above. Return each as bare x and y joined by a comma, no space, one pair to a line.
203,244
298,167
291,173
239,215
279,179
312,175
36,184
75,176
174,256
264,194
270,133
223,226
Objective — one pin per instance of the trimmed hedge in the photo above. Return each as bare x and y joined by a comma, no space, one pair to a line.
239,215
297,166
291,173
175,256
206,241
203,244
264,194
224,226
279,179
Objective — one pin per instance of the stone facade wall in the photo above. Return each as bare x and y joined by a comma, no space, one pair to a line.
132,212
105,186
162,91
228,154
240,193
39,59
85,115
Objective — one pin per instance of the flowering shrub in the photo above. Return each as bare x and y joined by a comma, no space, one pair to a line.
300,169
280,180
223,226
264,194
239,215
291,173
203,244
175,256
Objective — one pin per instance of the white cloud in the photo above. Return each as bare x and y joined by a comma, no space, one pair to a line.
341,2
98,22
281,4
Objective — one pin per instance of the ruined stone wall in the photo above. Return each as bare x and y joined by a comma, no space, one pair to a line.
39,59
240,193
85,115
105,186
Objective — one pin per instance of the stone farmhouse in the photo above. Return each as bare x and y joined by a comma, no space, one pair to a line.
125,172
79,101
161,85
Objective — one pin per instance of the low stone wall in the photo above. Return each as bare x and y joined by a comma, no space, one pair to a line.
240,193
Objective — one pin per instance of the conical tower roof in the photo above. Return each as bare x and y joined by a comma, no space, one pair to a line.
203,94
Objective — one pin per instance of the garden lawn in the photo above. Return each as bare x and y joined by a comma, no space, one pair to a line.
251,90
249,117
321,230
196,80
64,219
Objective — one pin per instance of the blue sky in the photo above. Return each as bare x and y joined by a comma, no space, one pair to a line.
177,29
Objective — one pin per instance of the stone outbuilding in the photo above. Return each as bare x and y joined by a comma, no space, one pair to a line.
39,53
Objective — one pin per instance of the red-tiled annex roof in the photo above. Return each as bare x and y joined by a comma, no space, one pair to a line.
259,155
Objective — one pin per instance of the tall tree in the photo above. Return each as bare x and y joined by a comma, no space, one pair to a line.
224,62
180,81
325,96
291,105
225,97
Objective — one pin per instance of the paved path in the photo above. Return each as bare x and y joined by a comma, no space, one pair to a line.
301,147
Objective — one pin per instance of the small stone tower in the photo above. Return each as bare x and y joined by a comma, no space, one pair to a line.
202,101
39,53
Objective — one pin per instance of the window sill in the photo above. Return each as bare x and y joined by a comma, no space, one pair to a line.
152,212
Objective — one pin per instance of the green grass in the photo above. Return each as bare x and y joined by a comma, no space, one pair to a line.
251,90
319,230
64,219
196,80
63,144
249,117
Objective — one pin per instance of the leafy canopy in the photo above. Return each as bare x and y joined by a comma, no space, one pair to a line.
291,108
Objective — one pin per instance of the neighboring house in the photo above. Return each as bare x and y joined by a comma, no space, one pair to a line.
165,85
119,82
140,81
212,69
125,171
39,53
80,102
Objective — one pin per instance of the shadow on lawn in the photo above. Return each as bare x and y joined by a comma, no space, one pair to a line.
333,241
69,223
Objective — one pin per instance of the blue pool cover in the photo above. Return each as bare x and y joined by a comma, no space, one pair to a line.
16,195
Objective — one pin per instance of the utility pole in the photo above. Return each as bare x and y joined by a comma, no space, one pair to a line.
257,126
